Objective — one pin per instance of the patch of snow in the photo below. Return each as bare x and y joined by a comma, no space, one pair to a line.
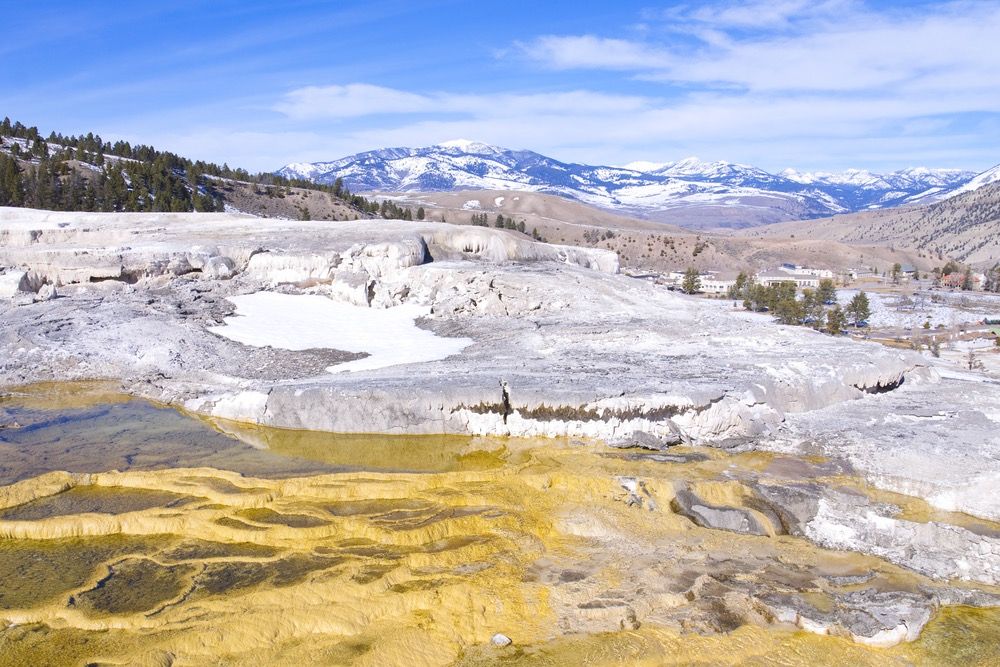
985,178
645,166
472,204
462,144
306,321
887,310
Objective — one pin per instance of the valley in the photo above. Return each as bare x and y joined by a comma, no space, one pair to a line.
646,246
689,193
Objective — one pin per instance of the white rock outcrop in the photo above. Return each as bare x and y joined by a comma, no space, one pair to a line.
13,282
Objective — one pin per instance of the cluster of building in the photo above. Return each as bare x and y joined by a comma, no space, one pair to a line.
712,282
804,277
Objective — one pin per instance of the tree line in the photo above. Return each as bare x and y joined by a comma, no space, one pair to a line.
504,222
816,308
38,173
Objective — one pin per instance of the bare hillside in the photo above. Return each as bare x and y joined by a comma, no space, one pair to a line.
966,227
644,245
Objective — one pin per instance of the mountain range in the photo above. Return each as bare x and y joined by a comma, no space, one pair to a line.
688,192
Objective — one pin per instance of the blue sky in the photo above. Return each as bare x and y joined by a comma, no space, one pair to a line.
821,85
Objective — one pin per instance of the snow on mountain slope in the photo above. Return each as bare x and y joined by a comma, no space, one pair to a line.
670,190
989,176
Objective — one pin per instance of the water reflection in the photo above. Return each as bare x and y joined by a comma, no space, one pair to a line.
90,428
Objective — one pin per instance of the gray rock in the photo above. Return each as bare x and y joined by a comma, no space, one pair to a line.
794,504
46,292
869,616
637,493
644,440
736,519
501,640
218,268
941,551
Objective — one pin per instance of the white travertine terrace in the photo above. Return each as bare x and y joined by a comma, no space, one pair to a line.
540,340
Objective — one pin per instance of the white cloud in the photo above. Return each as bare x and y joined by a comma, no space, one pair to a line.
592,52
360,99
352,100
827,84
771,14
860,51
620,123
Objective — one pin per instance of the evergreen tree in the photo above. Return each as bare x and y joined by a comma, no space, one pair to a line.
11,183
835,321
789,310
420,211
152,180
741,287
812,311
691,282
859,309
827,292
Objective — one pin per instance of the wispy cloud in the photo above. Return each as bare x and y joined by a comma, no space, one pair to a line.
350,101
807,83
759,14
361,99
796,47
593,52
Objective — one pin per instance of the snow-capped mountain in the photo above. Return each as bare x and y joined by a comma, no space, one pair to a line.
989,176
688,191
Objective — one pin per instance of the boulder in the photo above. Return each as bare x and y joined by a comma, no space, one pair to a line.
179,266
46,292
218,268
352,287
199,255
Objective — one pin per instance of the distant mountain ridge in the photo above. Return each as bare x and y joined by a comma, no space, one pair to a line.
688,192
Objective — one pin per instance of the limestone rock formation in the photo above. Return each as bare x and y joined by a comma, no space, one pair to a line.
582,351
13,282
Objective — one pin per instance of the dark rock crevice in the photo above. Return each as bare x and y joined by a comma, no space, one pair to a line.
882,387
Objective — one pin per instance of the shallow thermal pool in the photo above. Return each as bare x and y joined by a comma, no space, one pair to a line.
133,534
